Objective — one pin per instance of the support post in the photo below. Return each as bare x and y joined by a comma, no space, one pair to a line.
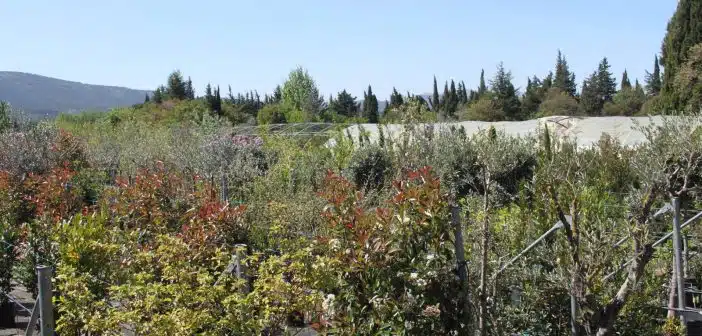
573,314
677,248
46,313
460,259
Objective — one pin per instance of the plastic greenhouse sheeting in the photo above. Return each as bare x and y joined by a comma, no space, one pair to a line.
585,130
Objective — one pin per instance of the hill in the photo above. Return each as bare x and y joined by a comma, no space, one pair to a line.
41,96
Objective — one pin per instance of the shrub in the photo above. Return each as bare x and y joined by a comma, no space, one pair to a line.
370,168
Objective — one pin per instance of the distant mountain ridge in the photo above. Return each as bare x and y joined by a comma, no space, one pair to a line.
41,96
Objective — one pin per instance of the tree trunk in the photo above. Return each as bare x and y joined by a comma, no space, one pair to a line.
608,314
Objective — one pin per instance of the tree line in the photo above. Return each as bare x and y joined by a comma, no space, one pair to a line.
557,93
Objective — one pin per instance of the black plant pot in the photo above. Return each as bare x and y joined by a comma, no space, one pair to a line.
7,315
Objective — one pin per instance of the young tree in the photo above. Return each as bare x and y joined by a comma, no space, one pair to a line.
158,95
533,96
653,80
606,84
445,105
146,98
5,110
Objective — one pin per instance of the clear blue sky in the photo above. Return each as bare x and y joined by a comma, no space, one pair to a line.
344,44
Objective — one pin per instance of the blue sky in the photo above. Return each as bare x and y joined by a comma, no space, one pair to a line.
344,44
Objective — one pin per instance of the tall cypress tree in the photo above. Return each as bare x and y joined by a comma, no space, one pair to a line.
445,105
435,97
626,84
653,80
482,88
370,106
189,90
684,31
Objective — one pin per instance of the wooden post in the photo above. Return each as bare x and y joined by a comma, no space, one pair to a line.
677,242
46,308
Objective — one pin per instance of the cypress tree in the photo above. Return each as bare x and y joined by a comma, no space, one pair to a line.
435,97
684,31
370,106
482,88
217,106
395,99
189,90
146,98
626,84
653,80
564,79
446,101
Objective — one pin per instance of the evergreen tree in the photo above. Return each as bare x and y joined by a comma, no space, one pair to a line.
564,79
626,84
217,102
653,80
435,97
606,84
505,94
482,88
396,99
445,102
454,97
370,106
230,95
548,81
345,105
684,31
146,98
158,95
277,95
533,96
590,102
189,90
176,86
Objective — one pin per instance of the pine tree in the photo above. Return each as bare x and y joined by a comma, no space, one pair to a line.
653,80
626,84
176,86
606,84
564,79
189,90
345,105
684,31
482,88
370,106
505,94
435,97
